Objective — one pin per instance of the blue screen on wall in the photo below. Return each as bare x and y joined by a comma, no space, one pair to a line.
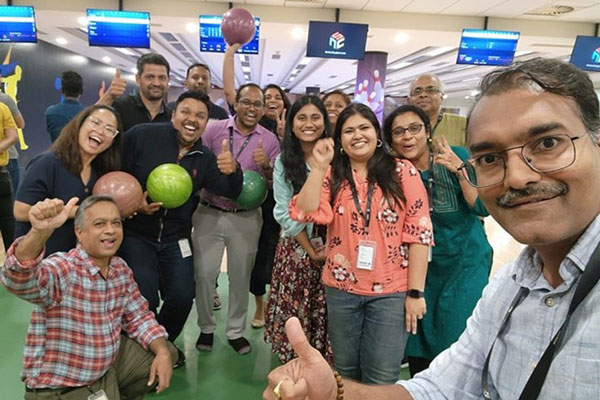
211,38
483,47
118,28
17,24
586,53
336,40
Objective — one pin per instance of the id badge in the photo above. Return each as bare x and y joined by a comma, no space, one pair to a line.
99,395
366,255
184,247
316,242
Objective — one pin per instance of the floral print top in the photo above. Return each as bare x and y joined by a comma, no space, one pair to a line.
391,228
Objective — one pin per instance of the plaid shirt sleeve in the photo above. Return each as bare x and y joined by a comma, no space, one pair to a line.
38,281
138,321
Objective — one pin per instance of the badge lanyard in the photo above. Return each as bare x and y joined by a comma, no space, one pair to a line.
246,141
366,215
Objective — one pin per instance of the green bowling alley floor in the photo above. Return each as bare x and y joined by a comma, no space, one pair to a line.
218,375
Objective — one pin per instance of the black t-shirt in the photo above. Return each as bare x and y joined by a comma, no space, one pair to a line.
134,112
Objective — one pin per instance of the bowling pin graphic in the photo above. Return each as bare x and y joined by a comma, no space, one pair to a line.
377,86
371,100
359,93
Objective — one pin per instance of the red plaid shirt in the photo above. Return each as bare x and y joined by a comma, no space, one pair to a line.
74,333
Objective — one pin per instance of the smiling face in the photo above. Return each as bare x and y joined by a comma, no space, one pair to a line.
334,104
102,232
410,146
426,94
308,124
198,79
359,138
536,208
190,119
97,133
247,109
153,81
274,103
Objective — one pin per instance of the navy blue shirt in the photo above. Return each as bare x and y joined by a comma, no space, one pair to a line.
47,177
58,115
145,147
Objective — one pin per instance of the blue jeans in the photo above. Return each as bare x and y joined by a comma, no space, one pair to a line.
160,267
15,173
367,335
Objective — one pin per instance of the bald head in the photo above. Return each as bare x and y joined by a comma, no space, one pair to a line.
427,93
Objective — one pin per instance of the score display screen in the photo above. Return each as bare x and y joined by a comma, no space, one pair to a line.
17,24
111,28
483,47
211,38
586,53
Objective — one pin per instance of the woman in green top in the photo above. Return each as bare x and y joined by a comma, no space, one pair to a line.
460,262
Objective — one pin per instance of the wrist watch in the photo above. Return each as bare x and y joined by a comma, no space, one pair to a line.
415,294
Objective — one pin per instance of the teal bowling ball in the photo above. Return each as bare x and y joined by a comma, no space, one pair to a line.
254,190
169,184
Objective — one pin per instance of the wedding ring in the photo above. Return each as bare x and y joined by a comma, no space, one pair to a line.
276,390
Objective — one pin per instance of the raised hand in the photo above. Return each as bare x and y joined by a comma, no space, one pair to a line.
148,208
308,376
323,153
260,157
225,161
49,214
281,123
118,85
232,49
444,155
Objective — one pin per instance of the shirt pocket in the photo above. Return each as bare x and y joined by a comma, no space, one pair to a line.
575,377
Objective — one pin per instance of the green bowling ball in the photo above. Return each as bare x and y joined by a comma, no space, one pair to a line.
254,190
169,184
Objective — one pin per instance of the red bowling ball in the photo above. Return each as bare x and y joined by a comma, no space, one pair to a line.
123,188
238,26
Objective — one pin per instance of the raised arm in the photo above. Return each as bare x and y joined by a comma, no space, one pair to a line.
310,194
229,73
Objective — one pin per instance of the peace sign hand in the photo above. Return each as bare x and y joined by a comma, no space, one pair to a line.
444,155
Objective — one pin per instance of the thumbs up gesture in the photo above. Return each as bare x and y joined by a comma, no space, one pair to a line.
225,161
260,157
308,376
116,89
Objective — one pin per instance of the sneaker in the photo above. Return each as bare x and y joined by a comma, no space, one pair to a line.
180,359
205,341
217,302
241,345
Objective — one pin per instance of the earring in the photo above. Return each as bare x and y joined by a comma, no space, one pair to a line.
379,143
342,151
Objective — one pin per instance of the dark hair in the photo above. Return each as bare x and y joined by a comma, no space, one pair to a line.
292,156
151,58
66,147
191,67
200,96
381,167
71,84
247,85
347,99
387,124
286,101
79,220
552,76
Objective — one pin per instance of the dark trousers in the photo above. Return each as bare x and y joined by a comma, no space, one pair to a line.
159,268
265,255
7,219
14,168
417,364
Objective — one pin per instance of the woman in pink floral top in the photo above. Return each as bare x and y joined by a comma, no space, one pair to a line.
378,236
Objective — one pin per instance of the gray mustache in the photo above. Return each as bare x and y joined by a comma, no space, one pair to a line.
531,190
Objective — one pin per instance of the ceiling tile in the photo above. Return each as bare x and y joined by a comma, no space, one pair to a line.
349,5
387,5
429,6
471,7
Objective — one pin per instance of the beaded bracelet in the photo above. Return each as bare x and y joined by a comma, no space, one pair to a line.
340,385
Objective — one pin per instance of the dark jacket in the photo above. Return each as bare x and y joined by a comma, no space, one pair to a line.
147,146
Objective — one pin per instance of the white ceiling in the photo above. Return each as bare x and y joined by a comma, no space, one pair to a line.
403,28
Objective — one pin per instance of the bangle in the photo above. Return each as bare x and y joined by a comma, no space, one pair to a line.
340,385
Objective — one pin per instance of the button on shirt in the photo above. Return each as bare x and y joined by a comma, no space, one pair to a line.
75,326
575,370
213,137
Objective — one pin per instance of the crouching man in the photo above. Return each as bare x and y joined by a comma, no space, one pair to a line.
84,300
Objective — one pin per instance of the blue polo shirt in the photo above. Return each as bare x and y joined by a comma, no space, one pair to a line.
58,115
47,177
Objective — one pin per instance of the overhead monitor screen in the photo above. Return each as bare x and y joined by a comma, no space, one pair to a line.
17,24
483,47
586,53
111,28
211,38
336,40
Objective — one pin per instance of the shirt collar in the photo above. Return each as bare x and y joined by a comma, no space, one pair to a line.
196,147
90,265
70,100
231,124
137,99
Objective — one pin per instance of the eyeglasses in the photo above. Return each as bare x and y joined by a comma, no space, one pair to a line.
413,129
545,154
247,103
99,126
429,90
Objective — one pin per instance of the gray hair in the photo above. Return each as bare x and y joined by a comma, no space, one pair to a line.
548,75
79,219
432,76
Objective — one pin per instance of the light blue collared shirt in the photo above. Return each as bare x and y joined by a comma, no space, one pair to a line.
575,370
